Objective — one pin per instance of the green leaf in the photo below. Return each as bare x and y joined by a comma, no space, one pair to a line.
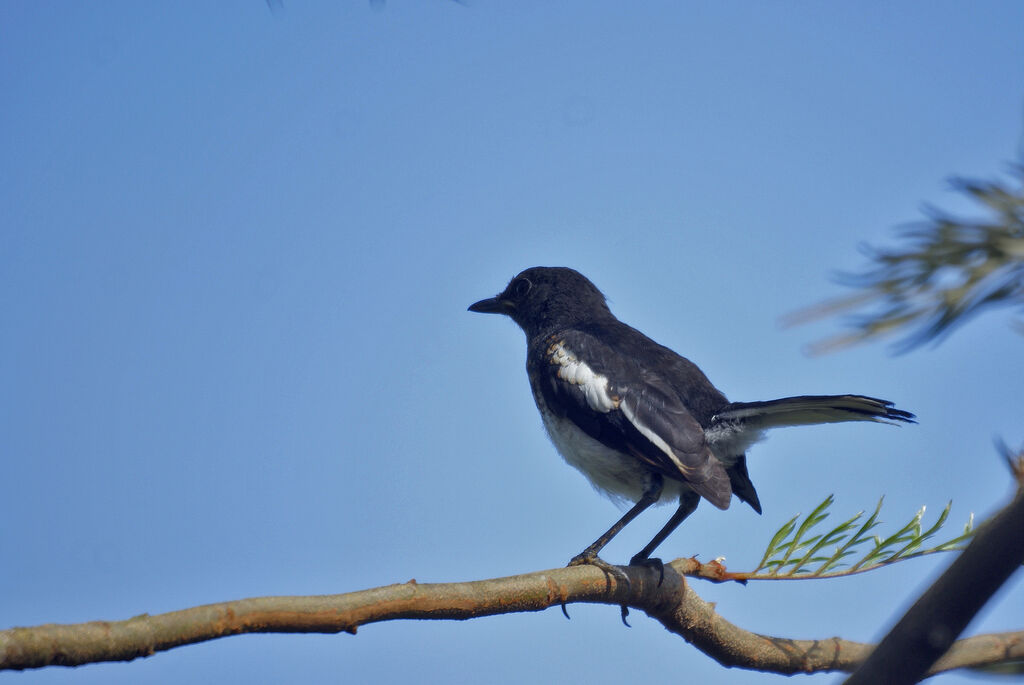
779,536
819,514
798,547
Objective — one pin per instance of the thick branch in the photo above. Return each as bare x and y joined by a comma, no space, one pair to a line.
945,609
673,603
730,645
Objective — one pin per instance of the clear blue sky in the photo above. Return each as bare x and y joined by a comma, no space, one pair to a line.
237,250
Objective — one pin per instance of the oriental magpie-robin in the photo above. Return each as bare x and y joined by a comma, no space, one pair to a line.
639,421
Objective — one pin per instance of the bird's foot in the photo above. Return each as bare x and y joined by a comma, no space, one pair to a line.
587,558
652,563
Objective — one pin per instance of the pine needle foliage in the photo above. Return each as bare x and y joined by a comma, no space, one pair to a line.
943,271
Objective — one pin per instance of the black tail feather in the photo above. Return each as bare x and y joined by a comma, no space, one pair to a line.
812,409
742,486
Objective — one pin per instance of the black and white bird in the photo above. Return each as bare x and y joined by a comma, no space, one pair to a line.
638,420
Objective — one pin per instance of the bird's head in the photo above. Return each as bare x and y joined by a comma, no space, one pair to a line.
546,297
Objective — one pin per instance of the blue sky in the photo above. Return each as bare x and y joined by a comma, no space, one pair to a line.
237,250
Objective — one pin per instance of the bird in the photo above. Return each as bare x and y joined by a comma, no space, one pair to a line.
642,423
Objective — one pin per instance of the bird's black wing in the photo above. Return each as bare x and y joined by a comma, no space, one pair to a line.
628,407
701,398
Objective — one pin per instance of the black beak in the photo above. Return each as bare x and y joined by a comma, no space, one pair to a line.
492,305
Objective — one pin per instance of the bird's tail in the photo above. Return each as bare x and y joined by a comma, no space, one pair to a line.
740,424
742,486
809,409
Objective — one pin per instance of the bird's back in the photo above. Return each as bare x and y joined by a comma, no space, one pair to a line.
688,382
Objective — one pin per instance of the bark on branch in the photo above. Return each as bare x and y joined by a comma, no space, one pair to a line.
673,603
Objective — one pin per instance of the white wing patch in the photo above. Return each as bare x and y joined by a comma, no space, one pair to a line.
594,386
656,439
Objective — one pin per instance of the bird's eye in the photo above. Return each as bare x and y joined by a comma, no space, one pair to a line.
521,287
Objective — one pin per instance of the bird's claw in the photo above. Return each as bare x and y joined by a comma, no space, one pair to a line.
652,563
591,559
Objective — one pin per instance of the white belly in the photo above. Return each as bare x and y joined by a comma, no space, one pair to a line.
611,473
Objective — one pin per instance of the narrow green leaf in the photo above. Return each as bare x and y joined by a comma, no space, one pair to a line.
780,535
866,528
796,549
882,546
845,551
812,519
920,538
829,538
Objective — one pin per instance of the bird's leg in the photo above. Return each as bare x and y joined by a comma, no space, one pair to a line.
688,502
652,491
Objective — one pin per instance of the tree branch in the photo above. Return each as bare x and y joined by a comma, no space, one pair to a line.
673,603
945,609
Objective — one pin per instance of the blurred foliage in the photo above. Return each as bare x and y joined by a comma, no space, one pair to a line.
944,270
1014,460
